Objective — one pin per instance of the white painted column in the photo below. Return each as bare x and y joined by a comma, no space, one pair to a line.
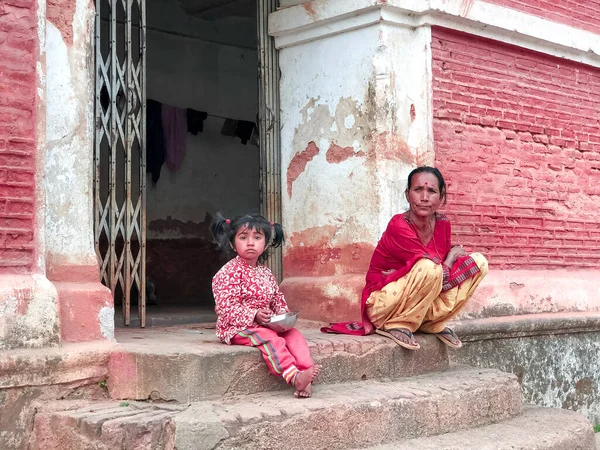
356,118
70,137
86,307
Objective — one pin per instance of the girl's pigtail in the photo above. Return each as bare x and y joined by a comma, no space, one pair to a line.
219,229
277,235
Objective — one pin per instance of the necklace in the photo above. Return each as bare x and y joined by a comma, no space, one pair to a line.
435,246
431,228
416,229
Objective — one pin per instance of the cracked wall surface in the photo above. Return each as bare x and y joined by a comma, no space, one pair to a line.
560,370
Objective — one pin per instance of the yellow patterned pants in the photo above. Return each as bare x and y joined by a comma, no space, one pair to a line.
416,300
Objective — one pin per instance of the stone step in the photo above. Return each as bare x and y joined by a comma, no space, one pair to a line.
339,416
190,365
536,429
104,426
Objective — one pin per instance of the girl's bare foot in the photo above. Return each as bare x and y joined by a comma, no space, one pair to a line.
316,370
306,393
303,381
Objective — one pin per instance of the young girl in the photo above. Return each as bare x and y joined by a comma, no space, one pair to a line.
247,295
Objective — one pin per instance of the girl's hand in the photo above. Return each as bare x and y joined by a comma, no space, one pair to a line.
262,316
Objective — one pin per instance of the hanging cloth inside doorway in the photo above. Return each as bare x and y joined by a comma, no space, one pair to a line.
155,145
195,121
238,128
174,122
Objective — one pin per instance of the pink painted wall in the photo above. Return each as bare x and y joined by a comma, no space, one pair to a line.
18,140
516,136
580,14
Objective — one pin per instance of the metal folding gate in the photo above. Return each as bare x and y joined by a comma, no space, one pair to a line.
120,151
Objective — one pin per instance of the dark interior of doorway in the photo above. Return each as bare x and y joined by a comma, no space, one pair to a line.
212,43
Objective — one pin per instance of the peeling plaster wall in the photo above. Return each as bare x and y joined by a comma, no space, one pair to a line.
355,121
404,121
324,103
85,306
69,149
560,371
356,115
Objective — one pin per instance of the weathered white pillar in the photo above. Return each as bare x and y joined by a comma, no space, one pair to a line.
85,306
356,118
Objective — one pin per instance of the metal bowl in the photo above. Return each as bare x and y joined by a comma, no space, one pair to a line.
283,322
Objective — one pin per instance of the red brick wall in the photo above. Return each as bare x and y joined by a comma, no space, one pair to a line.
577,13
517,135
18,82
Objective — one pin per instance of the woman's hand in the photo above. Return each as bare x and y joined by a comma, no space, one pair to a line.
262,316
455,252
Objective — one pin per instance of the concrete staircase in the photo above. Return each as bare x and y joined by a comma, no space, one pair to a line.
200,394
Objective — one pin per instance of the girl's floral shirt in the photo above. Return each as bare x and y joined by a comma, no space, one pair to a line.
240,290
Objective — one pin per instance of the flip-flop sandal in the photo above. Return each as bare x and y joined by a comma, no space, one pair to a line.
406,345
448,332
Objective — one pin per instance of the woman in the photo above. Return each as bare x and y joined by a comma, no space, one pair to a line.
417,280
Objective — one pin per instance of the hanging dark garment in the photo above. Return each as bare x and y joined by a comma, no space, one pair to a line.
155,139
244,130
238,128
195,121
174,129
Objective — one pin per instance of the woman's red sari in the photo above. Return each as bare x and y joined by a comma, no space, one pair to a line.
399,248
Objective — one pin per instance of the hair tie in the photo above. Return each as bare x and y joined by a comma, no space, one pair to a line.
272,223
227,221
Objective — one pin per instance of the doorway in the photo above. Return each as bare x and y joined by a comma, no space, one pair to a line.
211,85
